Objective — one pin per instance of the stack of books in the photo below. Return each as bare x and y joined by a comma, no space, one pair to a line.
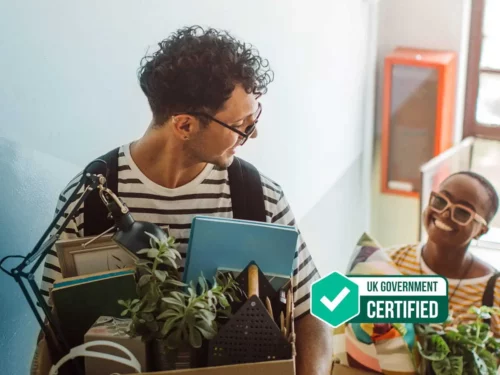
79,301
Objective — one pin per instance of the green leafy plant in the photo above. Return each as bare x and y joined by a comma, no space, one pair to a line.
171,311
456,347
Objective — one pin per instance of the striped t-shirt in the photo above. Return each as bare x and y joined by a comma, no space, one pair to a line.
462,297
207,194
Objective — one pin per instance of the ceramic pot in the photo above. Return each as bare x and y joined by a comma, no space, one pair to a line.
161,358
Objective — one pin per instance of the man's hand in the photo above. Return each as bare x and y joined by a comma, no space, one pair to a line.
314,343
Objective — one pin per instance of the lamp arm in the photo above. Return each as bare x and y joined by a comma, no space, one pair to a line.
58,345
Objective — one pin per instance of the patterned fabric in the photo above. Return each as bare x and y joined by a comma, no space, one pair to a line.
208,194
381,348
469,293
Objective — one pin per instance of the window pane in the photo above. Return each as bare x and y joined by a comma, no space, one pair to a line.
488,101
491,25
490,53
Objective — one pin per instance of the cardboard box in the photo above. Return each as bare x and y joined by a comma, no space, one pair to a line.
339,369
286,367
113,329
249,309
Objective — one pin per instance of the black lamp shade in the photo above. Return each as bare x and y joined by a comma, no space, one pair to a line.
135,238
132,235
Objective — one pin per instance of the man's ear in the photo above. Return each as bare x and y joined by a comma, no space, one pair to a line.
184,126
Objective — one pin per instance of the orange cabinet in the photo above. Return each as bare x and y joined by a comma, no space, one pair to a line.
417,115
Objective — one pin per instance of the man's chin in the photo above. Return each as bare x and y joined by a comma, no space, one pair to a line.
224,161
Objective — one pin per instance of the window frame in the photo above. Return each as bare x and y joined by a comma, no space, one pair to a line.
471,127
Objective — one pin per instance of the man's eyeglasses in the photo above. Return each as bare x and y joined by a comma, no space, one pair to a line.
249,129
460,214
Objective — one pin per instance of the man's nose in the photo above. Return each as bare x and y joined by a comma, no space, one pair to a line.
254,134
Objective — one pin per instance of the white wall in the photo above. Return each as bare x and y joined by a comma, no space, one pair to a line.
69,91
434,24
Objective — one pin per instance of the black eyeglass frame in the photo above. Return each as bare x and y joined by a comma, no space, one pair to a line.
244,135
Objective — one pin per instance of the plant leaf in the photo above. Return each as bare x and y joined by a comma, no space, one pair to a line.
177,295
155,239
143,251
136,308
144,280
224,303
207,315
194,337
168,314
170,261
172,301
448,366
201,282
481,366
488,359
161,275
442,367
145,269
152,253
432,355
175,282
484,330
206,330
174,339
457,365
167,327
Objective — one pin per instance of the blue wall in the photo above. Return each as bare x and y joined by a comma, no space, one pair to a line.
30,184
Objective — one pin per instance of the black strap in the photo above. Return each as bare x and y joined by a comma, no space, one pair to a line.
247,197
489,293
95,213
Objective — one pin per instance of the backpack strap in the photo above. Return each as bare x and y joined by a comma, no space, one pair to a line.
247,196
95,213
489,293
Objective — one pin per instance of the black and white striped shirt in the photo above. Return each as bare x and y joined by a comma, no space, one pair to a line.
207,194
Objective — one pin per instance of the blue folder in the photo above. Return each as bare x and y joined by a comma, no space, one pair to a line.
219,243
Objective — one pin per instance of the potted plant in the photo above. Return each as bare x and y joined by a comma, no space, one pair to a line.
173,317
456,347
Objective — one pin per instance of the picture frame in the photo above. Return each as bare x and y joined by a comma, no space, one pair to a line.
78,257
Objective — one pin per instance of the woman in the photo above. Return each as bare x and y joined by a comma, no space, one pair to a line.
458,213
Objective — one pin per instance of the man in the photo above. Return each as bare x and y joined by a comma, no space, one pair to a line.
203,89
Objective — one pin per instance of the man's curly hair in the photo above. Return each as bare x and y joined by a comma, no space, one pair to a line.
196,69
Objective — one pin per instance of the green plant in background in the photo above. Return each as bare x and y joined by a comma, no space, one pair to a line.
171,311
455,347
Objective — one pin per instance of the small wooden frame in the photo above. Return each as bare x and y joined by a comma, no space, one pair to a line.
101,255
